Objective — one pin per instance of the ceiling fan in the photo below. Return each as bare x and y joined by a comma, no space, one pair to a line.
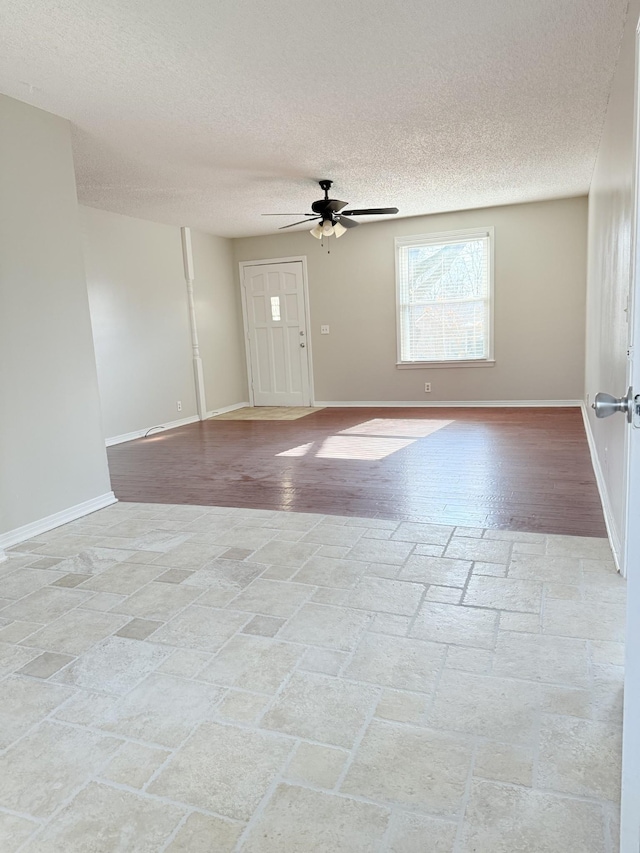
331,216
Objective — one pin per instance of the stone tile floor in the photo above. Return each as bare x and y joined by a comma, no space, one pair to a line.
202,679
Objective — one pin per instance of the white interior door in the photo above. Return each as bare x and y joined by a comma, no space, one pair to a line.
275,311
630,801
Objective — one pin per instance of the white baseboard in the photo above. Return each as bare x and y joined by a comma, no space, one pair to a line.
226,409
609,520
447,404
35,528
140,433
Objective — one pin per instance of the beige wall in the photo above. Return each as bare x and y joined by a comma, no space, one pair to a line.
540,271
219,321
52,454
609,276
141,327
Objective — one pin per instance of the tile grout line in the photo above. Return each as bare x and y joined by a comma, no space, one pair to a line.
173,834
535,765
273,639
413,619
383,844
47,718
259,810
24,815
357,742
608,819
465,802
426,714
69,799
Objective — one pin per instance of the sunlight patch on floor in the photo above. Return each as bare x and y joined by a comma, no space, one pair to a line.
369,441
367,449
404,427
300,450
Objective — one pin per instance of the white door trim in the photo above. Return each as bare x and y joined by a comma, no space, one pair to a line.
245,323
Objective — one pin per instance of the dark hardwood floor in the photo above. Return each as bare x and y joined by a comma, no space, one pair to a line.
516,469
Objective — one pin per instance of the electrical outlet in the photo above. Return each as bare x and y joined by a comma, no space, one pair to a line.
427,387
324,330
179,404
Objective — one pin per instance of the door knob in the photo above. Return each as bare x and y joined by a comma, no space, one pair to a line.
302,345
605,405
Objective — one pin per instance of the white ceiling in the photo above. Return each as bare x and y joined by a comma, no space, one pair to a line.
211,112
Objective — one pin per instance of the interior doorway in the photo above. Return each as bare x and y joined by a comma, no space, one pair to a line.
275,308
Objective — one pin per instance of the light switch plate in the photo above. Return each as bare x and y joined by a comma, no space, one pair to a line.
324,330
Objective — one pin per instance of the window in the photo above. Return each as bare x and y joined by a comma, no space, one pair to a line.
275,309
444,290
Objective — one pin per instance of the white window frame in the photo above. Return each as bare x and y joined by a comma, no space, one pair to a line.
447,237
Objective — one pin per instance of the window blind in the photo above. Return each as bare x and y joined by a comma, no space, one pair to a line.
444,298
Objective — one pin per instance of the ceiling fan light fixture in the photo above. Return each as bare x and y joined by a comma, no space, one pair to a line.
333,219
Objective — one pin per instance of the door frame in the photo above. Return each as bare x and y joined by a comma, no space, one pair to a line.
242,265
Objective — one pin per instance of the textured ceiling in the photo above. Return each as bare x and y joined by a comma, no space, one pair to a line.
211,112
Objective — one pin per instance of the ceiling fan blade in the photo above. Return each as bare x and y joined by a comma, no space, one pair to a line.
370,211
347,223
328,205
302,221
287,214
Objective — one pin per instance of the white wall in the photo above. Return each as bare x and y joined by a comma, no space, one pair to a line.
140,317
219,314
140,320
540,272
52,454
609,278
